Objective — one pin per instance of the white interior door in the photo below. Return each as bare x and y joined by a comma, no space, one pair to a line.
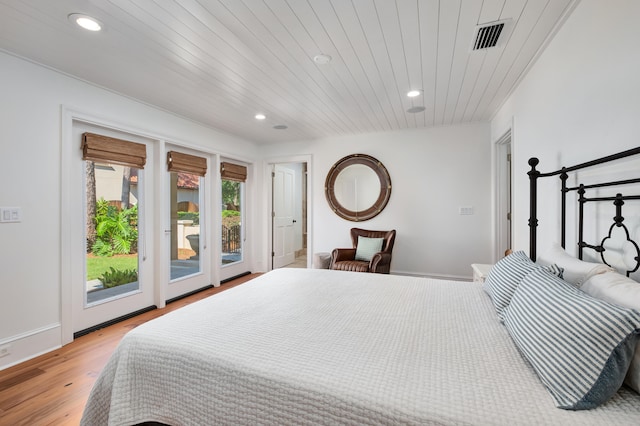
283,216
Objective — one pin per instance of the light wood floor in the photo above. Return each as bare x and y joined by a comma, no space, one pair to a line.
52,389
300,262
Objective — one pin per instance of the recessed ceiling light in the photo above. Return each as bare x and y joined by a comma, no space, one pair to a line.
280,127
414,93
322,59
416,109
86,22
260,116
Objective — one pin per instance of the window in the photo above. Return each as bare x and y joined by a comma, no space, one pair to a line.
113,172
186,172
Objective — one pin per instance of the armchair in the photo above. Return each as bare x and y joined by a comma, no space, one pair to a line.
345,259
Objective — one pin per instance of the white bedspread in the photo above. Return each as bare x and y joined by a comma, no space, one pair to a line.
298,346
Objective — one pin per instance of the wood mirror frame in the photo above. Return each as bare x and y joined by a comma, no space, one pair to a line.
383,196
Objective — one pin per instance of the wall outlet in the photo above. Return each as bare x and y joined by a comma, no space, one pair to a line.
5,350
466,211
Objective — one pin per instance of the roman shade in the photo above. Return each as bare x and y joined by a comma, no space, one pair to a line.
235,172
105,149
180,162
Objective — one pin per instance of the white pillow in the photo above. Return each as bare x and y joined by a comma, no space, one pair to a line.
368,247
576,271
618,289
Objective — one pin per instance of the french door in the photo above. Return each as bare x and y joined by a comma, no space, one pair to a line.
189,251
111,275
137,230
233,254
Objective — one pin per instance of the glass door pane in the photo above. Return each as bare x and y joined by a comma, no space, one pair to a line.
112,262
232,235
185,225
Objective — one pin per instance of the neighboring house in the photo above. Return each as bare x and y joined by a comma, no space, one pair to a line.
578,101
109,186
188,192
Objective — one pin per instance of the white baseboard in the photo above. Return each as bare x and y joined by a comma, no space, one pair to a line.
25,346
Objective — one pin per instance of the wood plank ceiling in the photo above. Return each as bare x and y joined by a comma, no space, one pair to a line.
220,62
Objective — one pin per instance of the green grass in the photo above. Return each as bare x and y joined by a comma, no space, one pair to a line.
96,265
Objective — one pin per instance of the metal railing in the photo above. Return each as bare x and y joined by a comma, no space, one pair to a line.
231,239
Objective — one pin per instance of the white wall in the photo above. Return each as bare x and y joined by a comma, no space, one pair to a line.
433,173
30,172
580,101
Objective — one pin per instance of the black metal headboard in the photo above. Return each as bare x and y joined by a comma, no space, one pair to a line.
618,201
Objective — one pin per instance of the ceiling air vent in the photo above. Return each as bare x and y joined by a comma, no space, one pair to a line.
488,35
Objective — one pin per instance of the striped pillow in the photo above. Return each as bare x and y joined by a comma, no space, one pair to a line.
504,277
579,346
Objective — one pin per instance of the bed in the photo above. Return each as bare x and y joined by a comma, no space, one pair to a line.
297,346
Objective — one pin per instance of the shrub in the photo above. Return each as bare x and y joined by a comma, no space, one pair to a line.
116,230
194,216
116,277
230,218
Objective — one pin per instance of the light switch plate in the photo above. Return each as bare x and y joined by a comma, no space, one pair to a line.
10,214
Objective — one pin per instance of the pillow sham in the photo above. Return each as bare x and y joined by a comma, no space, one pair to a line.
504,277
618,289
367,247
579,346
576,271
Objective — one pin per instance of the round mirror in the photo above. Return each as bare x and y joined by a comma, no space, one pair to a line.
358,187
